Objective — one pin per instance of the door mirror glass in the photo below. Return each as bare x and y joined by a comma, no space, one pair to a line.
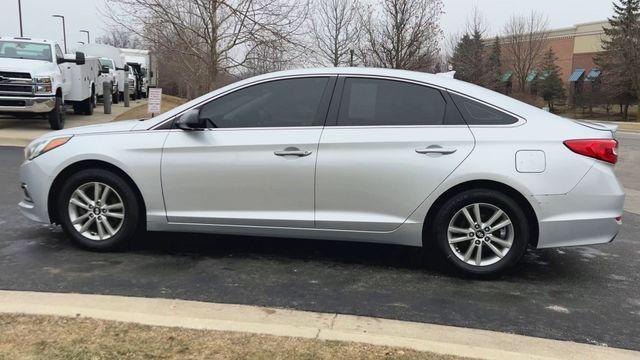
190,121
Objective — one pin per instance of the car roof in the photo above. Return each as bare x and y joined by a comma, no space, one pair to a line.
26,39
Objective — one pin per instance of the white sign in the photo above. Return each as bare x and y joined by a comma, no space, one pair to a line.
155,100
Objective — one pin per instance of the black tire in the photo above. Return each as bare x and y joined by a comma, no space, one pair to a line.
89,104
114,96
521,231
56,116
130,223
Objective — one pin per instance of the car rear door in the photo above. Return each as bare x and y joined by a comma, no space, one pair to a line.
255,164
387,145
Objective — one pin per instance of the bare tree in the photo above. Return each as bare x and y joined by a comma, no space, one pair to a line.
335,30
402,34
524,44
209,39
120,38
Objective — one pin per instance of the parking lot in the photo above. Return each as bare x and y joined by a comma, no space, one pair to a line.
585,294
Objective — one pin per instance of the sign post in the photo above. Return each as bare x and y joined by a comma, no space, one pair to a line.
155,101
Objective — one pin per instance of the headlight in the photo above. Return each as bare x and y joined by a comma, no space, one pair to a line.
43,85
39,147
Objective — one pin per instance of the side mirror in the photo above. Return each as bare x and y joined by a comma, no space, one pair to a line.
150,73
80,58
190,121
104,69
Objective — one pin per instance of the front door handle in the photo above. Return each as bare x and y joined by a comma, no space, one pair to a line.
286,152
436,150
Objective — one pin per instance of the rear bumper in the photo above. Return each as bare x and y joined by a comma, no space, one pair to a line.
15,104
586,215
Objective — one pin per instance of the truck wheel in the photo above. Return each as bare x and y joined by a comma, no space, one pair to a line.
89,104
114,96
56,116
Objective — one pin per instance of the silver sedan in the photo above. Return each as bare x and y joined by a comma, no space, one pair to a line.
352,154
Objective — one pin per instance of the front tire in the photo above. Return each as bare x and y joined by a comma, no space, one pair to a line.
56,116
481,232
98,210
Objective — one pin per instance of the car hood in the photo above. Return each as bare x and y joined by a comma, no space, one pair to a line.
34,67
110,127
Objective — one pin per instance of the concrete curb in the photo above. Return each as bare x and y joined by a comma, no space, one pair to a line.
439,339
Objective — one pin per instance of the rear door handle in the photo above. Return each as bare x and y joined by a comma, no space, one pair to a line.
299,153
436,150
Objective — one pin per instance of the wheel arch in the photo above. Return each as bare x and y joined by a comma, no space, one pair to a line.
90,164
483,184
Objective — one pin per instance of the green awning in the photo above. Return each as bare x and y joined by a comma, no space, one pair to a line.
507,76
544,75
532,75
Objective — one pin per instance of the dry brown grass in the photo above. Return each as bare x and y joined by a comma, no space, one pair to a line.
140,111
49,337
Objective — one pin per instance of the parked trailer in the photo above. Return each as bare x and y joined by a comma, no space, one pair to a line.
144,63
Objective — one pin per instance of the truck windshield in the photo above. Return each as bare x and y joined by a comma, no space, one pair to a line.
25,50
106,62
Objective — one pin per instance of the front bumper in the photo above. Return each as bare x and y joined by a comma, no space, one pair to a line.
35,184
16,104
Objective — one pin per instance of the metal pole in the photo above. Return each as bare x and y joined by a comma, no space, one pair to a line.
126,93
64,32
106,97
20,16
88,38
351,57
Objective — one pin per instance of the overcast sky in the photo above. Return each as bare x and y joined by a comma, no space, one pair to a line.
83,14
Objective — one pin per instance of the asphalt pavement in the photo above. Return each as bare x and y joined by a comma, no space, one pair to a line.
586,294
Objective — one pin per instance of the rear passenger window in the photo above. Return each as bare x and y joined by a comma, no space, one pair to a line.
475,113
374,102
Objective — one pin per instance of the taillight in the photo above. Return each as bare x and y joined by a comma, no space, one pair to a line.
601,149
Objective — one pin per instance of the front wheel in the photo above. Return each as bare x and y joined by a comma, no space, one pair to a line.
56,116
481,232
98,210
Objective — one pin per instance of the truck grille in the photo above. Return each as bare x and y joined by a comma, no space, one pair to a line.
15,88
15,75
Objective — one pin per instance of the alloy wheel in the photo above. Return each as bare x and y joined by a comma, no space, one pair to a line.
96,211
480,234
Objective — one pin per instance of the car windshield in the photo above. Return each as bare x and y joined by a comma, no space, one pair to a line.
106,62
25,50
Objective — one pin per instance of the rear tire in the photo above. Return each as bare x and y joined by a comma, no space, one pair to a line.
487,247
56,116
89,104
111,226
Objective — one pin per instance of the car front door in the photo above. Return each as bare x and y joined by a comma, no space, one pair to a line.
254,164
387,145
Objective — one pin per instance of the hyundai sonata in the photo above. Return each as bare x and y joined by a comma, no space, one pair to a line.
354,154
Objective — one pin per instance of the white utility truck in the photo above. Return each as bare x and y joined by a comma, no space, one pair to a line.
141,61
36,78
109,75
120,67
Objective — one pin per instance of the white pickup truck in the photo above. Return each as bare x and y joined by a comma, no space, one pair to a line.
37,78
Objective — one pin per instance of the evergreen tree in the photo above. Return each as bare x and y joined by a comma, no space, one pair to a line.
468,59
620,60
494,65
550,85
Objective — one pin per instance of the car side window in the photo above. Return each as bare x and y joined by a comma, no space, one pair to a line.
59,54
279,103
378,102
475,113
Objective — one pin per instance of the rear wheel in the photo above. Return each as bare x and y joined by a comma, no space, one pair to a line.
56,116
114,97
481,232
98,210
89,104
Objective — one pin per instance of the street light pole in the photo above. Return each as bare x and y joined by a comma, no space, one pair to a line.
88,38
64,32
20,16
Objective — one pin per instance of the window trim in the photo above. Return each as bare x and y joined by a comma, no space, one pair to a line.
334,111
168,124
521,121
